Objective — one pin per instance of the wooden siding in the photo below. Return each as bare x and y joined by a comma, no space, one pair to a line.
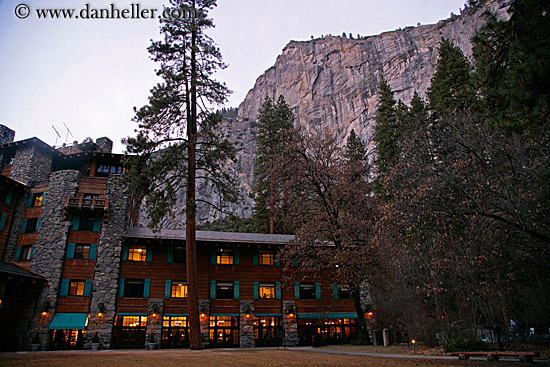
83,237
73,304
78,269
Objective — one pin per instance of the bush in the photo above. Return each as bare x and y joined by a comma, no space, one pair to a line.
466,344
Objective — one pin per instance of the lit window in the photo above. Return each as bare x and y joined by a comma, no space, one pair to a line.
265,257
266,290
224,256
133,321
174,321
76,287
137,253
37,199
81,251
179,289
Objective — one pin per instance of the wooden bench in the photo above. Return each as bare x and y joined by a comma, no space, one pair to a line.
494,356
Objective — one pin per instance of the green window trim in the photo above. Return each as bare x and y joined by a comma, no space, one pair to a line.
168,288
256,290
125,250
278,290
3,219
149,254
70,250
32,251
146,287
97,224
335,290
236,258
87,288
213,256
296,290
9,196
317,290
212,289
24,226
64,288
236,289
29,202
256,256
17,253
93,250
121,287
170,255
75,222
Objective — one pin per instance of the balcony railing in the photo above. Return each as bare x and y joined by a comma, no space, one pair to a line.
87,203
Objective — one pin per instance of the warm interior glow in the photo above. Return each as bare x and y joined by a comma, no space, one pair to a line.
99,314
413,341
154,315
202,316
247,316
291,315
44,313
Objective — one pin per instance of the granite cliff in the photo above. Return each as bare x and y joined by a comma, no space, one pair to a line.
332,83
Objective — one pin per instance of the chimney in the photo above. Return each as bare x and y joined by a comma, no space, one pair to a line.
105,145
6,135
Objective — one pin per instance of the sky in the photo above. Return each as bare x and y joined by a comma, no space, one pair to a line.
85,76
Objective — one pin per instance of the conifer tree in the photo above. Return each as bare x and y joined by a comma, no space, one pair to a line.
355,149
385,132
275,122
177,141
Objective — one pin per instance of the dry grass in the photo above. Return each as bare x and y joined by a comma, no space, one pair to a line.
215,358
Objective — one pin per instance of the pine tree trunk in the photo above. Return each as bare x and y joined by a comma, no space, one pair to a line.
191,210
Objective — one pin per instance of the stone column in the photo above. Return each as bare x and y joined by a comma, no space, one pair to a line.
290,324
107,265
204,308
154,323
49,249
31,164
246,329
17,220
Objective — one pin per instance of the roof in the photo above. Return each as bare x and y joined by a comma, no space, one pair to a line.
31,141
12,269
210,236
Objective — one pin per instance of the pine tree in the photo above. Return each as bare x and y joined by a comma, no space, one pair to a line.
177,136
355,149
275,122
385,132
451,89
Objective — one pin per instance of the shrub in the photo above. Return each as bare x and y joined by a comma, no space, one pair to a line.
466,344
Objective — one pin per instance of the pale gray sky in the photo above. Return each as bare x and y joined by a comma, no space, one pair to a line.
89,73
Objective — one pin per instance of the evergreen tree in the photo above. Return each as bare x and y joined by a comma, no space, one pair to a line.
275,122
177,136
355,149
451,88
385,132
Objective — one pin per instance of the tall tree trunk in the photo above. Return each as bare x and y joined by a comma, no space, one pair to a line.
361,324
271,209
190,223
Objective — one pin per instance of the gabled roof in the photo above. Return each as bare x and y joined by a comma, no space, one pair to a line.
12,269
31,141
210,236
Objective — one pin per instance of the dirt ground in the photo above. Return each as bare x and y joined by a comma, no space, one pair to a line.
216,358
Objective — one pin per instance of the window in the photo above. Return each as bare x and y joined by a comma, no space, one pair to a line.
225,290
137,253
224,256
76,287
30,225
342,292
37,199
81,251
307,291
133,288
105,170
88,198
25,253
266,290
86,224
265,257
179,289
179,255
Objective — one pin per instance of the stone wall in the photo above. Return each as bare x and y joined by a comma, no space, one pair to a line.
204,308
6,135
105,145
290,324
31,164
107,266
246,329
49,248
17,221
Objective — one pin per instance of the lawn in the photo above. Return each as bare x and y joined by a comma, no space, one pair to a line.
214,358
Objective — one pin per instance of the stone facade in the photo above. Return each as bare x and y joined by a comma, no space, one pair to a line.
107,267
246,332
204,309
105,145
154,323
50,247
6,135
31,164
290,324
17,220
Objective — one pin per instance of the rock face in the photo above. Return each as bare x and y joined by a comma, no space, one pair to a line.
331,83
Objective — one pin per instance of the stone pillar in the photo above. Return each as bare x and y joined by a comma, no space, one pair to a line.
107,265
246,329
31,164
49,249
105,145
290,324
17,220
155,310
204,308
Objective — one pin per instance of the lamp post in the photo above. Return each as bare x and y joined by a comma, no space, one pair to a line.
414,346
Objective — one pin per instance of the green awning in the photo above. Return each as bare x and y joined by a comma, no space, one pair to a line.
69,321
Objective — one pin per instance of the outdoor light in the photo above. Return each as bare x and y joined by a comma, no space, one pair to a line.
247,316
154,315
414,346
203,316
100,314
44,314
291,315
